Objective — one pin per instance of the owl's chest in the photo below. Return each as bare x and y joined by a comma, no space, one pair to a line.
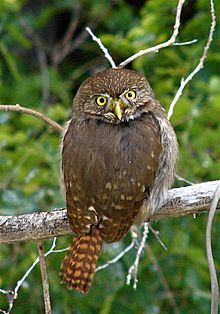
111,160
108,171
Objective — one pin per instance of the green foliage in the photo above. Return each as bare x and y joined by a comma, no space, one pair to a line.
32,40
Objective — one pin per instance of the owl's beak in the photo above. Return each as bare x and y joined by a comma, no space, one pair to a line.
118,108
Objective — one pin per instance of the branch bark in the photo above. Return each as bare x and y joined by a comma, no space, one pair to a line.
44,225
31,112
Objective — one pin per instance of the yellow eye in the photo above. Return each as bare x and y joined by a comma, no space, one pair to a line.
101,101
131,94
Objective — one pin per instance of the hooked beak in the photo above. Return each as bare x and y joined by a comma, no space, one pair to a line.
118,108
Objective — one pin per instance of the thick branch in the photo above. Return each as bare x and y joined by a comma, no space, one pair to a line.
44,225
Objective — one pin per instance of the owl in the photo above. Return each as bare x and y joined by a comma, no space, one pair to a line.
119,152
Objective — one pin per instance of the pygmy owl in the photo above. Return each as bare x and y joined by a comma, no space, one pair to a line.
118,151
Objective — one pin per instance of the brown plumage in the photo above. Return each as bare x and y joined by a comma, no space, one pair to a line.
118,150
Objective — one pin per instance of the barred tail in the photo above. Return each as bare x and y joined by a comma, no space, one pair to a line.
78,267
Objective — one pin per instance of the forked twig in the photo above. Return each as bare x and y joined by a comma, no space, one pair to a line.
133,270
167,43
119,256
200,65
13,294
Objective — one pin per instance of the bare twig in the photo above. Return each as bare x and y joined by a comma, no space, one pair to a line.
133,270
63,48
183,179
71,29
200,65
44,276
14,293
42,59
59,54
61,250
212,270
102,47
190,42
162,279
119,256
170,42
156,234
6,291
34,113
167,43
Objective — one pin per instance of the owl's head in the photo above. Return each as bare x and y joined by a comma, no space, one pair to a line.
114,96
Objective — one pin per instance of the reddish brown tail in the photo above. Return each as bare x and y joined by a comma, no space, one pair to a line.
78,267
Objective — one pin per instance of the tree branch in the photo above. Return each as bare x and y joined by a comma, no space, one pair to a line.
163,280
212,270
133,270
13,294
199,66
102,47
44,225
167,43
34,113
44,276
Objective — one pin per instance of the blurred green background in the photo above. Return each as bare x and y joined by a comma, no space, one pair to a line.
45,54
